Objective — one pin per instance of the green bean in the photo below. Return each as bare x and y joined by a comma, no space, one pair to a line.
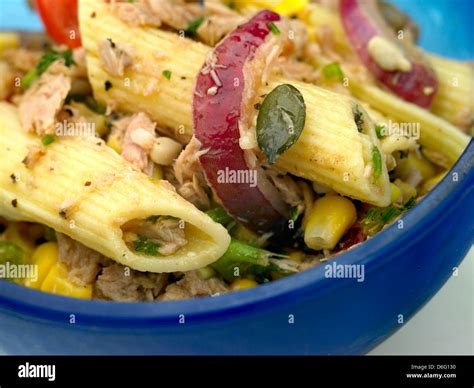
241,258
219,215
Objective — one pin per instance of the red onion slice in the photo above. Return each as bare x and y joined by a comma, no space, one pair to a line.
224,87
363,22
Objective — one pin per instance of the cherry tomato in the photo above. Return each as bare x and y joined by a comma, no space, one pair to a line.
60,20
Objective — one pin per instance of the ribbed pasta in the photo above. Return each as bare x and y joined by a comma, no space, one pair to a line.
82,188
435,133
333,152
330,150
455,98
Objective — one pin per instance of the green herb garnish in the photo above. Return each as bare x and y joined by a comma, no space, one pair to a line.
47,140
333,71
45,61
409,204
280,121
377,162
167,74
378,131
377,217
28,79
294,213
273,28
193,26
144,245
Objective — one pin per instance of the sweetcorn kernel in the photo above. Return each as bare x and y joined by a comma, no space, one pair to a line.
329,219
58,282
9,40
408,190
297,256
283,7
114,142
243,284
395,193
432,182
44,256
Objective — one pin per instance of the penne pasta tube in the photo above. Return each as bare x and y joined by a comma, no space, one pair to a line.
330,151
82,188
455,96
435,133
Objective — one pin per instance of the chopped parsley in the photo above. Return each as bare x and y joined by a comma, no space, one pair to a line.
333,71
45,61
294,213
193,26
409,204
47,140
377,161
144,245
377,217
378,130
167,74
273,28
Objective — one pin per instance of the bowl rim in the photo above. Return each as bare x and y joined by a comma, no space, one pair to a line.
24,301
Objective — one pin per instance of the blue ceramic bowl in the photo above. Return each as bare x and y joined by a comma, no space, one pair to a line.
306,313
